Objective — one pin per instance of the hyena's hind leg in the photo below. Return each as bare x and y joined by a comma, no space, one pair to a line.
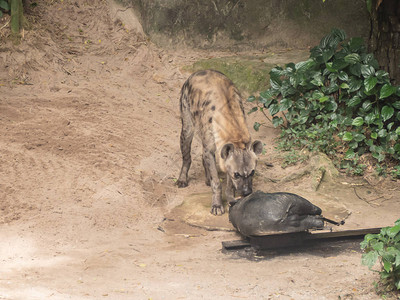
187,134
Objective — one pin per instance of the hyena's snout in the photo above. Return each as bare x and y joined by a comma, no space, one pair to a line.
247,190
245,187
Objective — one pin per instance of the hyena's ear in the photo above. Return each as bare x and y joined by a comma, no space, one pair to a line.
227,149
257,147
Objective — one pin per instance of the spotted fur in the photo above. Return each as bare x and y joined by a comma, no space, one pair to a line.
211,105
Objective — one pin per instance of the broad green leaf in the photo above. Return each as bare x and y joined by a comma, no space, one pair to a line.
276,74
303,119
268,94
343,76
359,121
317,80
354,84
285,104
387,112
367,105
352,58
339,33
396,105
323,99
327,54
387,266
382,133
317,95
331,105
287,89
266,103
305,65
369,142
4,5
254,109
387,90
377,246
382,75
354,101
370,83
397,284
374,135
355,69
347,137
251,99
339,64
329,68
370,60
397,263
275,84
344,86
393,231
370,236
367,71
398,130
369,259
378,156
349,154
277,121
273,109
332,39
358,137
356,44
256,126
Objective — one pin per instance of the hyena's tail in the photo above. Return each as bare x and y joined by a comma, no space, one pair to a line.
186,115
184,100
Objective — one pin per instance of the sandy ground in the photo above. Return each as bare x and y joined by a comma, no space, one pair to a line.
89,151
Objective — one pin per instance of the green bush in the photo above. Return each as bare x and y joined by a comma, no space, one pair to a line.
385,248
337,100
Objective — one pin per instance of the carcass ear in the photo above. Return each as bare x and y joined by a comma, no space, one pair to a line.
227,150
257,147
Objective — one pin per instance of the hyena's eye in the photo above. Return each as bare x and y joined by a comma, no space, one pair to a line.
236,175
252,173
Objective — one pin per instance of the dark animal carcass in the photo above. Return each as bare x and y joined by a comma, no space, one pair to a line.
264,213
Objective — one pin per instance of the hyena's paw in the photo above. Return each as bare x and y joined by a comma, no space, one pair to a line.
182,183
217,210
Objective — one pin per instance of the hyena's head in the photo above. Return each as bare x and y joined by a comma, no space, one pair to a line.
240,165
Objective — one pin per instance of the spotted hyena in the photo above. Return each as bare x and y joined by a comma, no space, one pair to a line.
212,105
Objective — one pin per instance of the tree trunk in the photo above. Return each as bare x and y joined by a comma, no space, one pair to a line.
385,36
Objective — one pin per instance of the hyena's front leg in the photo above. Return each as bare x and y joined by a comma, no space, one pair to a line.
230,190
209,160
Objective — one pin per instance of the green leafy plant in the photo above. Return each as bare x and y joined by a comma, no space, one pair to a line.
396,172
385,248
292,157
3,7
337,100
